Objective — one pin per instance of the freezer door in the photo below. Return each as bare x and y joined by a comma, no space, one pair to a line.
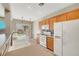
58,39
71,38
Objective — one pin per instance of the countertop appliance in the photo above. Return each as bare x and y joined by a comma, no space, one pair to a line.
66,38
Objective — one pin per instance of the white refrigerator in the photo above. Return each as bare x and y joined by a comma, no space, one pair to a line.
66,38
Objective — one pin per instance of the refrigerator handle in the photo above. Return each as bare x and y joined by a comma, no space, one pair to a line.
58,37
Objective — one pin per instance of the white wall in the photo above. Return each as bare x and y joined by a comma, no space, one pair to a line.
36,29
2,13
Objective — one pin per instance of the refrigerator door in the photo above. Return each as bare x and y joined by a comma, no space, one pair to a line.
58,39
71,38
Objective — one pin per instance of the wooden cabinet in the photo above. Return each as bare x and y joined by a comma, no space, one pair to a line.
51,23
61,18
43,22
47,21
73,15
50,43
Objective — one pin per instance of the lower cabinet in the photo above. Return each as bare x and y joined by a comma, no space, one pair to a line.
50,43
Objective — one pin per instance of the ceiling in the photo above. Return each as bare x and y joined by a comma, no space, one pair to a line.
32,11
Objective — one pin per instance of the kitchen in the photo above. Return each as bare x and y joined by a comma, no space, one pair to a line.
52,36
50,29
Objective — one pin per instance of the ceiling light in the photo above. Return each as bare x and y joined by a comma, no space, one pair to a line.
41,4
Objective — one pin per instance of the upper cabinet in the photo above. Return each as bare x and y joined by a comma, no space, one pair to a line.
2,11
73,14
61,17
47,21
51,22
44,22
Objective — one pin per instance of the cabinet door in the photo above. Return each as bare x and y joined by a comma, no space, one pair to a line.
47,21
50,43
51,23
61,18
73,15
